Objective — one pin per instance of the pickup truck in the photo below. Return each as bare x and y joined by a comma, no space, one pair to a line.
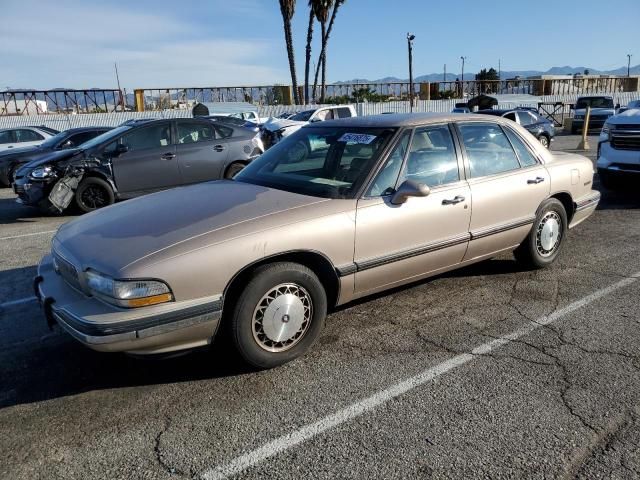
275,129
619,149
601,109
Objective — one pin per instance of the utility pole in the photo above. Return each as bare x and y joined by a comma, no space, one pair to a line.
629,64
410,39
462,75
119,90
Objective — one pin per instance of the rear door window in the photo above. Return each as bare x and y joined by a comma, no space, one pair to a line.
488,149
6,137
524,154
195,132
24,135
344,112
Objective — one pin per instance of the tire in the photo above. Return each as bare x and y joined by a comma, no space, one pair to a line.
93,193
539,249
256,339
544,140
233,169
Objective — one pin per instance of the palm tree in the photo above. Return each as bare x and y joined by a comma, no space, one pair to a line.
307,62
321,9
325,40
287,8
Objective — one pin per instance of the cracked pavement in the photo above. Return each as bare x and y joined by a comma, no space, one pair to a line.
560,402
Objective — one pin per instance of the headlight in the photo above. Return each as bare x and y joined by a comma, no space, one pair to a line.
42,172
606,130
128,293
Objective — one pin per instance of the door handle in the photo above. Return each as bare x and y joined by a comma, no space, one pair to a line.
535,180
218,148
168,156
453,201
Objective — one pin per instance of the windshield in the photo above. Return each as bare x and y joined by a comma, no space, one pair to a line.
594,102
106,136
51,142
330,162
302,116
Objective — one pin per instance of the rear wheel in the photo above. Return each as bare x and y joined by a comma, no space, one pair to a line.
544,242
233,169
93,193
279,315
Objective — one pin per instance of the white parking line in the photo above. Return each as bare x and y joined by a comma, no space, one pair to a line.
20,301
27,235
307,432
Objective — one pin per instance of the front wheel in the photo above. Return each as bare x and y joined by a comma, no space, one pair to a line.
279,315
93,193
544,242
544,140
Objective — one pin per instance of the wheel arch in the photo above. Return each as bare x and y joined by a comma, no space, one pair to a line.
314,260
567,202
101,176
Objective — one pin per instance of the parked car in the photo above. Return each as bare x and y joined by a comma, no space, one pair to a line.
286,115
536,124
275,129
619,149
23,137
632,104
601,109
234,121
460,110
10,160
133,160
379,202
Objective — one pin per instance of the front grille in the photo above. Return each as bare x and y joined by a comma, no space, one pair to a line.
67,271
627,126
599,118
625,141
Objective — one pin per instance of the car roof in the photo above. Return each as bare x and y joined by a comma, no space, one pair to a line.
399,120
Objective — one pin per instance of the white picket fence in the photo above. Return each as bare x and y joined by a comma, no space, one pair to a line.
63,122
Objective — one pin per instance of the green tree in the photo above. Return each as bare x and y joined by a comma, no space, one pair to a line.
287,9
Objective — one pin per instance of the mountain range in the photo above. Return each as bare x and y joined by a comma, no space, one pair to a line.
450,77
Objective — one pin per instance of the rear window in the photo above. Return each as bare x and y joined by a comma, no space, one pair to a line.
594,102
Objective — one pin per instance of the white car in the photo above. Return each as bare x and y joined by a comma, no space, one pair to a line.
277,128
619,149
23,137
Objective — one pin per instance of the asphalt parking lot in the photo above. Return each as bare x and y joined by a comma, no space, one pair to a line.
487,372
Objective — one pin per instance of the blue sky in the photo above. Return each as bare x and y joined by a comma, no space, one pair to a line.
157,43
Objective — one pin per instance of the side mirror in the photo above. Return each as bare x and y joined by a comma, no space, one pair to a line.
120,149
407,189
67,144
315,119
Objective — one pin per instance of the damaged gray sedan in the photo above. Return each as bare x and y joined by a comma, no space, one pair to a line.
133,160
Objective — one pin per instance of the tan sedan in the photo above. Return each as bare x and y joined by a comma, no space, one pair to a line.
337,211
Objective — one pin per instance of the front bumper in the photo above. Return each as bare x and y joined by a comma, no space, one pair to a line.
617,163
161,328
594,123
31,192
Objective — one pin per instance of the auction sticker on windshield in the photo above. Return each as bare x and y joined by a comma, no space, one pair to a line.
360,138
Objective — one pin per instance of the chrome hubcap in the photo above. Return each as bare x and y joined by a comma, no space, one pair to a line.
549,234
282,317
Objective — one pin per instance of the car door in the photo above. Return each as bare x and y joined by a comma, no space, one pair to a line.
7,139
506,187
399,243
202,150
150,161
26,137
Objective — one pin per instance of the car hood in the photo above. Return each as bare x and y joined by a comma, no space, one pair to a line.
196,216
631,116
47,158
595,111
275,124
